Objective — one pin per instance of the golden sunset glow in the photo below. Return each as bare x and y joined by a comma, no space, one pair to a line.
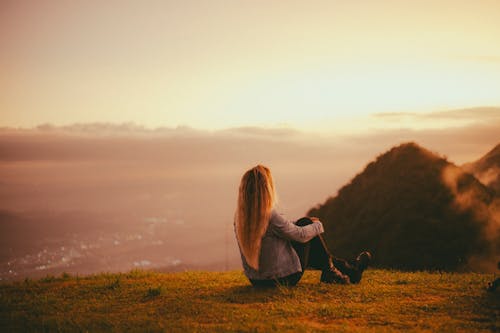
129,135
219,64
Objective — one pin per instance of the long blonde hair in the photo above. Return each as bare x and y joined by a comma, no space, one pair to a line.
256,199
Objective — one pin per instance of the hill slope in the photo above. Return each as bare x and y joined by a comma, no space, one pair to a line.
412,209
487,169
225,302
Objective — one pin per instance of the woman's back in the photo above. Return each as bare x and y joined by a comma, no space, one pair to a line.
277,257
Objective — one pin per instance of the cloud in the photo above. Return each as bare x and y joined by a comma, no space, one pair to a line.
463,142
474,114
262,132
131,129
113,129
395,114
132,142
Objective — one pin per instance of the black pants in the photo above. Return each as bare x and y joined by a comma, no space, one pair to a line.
313,254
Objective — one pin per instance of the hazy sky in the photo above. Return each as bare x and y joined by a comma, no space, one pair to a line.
217,64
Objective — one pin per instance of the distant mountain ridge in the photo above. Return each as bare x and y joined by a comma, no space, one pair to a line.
412,209
487,169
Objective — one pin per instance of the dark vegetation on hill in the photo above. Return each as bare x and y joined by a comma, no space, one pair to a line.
413,210
487,169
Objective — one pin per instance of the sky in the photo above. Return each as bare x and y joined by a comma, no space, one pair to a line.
320,66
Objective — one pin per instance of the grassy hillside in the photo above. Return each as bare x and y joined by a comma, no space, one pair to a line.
202,301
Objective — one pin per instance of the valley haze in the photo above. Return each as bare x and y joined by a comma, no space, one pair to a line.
95,197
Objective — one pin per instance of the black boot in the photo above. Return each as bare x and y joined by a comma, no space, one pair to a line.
355,268
492,286
363,260
331,274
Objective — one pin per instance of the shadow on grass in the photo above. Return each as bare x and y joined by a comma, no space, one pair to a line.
248,294
488,306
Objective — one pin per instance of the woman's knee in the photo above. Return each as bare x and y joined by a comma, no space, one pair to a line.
303,221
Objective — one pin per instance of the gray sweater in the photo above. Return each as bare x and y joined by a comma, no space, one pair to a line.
277,256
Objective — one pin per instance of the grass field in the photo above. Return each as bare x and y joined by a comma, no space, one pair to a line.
224,301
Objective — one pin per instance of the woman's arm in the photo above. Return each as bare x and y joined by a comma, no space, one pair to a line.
288,230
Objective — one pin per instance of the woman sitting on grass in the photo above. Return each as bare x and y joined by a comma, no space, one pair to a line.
275,251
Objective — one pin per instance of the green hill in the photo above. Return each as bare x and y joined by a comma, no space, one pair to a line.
138,301
412,209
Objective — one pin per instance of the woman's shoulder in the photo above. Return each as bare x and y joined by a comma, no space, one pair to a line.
277,217
275,214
